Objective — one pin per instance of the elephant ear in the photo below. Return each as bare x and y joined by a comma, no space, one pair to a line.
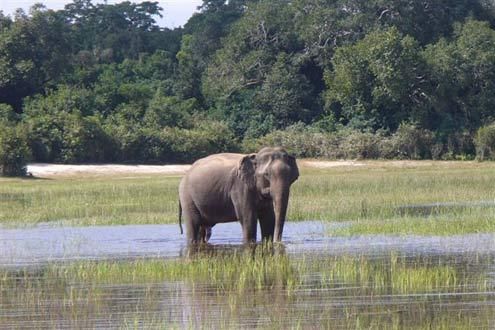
294,171
247,168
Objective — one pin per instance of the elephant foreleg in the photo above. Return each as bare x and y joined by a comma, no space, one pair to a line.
246,214
249,228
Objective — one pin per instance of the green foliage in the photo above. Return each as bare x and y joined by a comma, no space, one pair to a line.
169,111
485,142
207,137
463,74
102,82
34,53
7,113
374,82
14,151
298,139
172,144
410,142
85,140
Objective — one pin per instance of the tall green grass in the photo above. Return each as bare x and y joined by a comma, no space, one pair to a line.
370,194
90,200
226,290
377,190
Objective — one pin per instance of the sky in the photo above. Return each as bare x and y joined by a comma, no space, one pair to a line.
175,12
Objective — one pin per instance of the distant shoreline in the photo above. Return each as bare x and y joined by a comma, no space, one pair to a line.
54,170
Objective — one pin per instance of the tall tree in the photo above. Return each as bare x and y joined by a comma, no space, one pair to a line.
377,83
462,73
34,52
202,38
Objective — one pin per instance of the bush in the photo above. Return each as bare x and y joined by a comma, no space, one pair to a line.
359,145
137,144
485,142
173,144
411,142
84,140
207,137
460,145
300,140
14,151
69,138
7,113
309,142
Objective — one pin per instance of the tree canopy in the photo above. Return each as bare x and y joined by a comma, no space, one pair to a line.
103,82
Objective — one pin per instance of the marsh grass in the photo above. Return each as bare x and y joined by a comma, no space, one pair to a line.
240,270
372,196
466,222
89,200
394,274
231,290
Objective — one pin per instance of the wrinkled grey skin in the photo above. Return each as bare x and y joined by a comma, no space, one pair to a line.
235,187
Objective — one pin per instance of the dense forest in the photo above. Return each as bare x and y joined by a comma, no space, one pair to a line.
324,78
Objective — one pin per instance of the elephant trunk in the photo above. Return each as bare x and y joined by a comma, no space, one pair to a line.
280,197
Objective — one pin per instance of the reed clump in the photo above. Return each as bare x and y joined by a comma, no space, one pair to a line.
226,289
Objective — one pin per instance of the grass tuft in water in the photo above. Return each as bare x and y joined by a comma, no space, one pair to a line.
230,289
237,271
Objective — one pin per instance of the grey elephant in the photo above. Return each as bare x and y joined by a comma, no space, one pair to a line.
235,187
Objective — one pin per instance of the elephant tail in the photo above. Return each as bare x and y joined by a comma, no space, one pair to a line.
180,218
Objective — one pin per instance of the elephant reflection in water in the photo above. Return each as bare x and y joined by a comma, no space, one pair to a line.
235,187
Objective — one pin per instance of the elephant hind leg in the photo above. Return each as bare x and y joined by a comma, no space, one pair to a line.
193,220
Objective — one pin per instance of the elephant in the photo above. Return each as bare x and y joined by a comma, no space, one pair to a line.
230,187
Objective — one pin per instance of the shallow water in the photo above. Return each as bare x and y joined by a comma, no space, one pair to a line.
34,301
45,243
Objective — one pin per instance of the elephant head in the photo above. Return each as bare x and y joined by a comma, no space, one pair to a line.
271,172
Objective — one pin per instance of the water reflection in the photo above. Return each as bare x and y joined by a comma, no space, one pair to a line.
325,297
42,244
208,250
317,282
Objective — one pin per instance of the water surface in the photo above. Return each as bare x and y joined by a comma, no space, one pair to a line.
45,243
30,299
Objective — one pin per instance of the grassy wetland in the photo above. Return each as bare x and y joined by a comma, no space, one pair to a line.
438,272
377,197
265,290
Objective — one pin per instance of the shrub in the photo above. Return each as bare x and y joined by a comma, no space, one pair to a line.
459,145
84,140
207,137
300,140
411,142
361,145
485,142
14,151
7,113
172,144
137,144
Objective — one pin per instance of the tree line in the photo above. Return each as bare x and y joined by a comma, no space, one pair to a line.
325,78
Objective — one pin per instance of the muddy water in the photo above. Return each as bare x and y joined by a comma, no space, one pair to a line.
466,302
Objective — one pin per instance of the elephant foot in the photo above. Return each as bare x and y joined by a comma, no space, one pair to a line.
204,233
